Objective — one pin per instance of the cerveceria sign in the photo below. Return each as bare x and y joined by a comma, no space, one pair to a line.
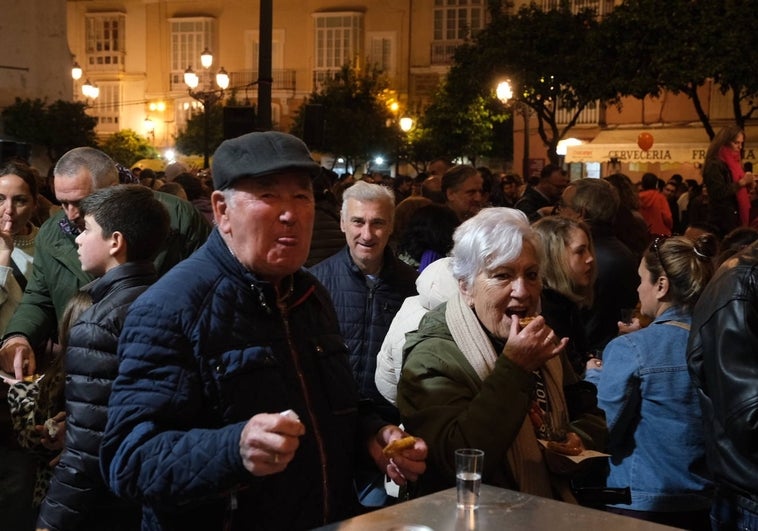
631,153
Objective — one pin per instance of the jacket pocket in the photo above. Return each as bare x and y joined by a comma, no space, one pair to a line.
250,381
335,374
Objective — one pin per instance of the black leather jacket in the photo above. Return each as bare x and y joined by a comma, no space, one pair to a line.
722,355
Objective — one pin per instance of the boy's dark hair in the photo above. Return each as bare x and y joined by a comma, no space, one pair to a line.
134,211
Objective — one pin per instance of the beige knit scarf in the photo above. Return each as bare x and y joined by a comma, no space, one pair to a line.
524,456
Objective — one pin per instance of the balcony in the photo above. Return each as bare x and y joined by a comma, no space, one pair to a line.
589,116
284,80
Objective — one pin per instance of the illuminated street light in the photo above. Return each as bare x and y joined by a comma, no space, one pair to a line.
504,93
76,71
207,97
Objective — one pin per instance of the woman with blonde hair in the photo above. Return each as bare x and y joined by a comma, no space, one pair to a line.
568,277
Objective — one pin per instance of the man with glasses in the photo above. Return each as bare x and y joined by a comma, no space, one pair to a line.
540,199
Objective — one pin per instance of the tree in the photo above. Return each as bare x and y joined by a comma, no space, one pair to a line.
58,127
551,57
191,140
681,45
358,124
127,147
450,129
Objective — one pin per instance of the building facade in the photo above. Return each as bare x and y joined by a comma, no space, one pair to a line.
136,52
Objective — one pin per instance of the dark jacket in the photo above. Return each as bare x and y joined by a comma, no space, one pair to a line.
565,318
203,350
78,498
57,273
328,237
722,196
366,312
615,287
722,356
531,202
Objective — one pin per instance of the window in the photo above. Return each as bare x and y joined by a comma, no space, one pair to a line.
457,19
381,51
105,41
601,7
338,42
252,38
189,37
454,20
107,106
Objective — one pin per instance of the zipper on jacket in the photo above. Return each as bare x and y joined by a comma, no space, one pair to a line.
314,423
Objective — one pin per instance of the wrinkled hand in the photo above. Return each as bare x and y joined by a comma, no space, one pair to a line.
531,347
406,466
269,442
627,328
17,357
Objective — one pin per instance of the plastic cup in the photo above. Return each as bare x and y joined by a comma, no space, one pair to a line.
468,476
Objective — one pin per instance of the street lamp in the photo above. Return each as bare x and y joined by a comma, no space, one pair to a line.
504,93
406,124
150,129
207,97
90,90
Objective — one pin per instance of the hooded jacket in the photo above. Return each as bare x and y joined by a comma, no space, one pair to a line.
654,207
435,285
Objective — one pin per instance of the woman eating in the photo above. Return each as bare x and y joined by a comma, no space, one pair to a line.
476,377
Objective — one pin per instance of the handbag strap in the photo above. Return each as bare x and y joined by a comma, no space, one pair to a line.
680,324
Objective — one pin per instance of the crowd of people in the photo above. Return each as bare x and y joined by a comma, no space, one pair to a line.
210,351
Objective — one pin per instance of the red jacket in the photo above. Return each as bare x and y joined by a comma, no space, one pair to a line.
655,209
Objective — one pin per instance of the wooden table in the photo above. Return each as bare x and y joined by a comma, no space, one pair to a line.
498,509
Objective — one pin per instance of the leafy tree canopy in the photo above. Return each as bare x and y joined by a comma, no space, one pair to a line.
58,126
552,59
679,45
453,128
358,123
127,147
191,140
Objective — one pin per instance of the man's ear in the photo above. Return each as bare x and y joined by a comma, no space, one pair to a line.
220,206
117,245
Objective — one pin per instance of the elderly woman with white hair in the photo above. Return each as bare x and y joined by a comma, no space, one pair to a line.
477,376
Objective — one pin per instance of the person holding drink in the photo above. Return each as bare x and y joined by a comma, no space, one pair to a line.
476,377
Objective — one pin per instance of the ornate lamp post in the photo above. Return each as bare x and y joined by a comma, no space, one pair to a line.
207,97
504,92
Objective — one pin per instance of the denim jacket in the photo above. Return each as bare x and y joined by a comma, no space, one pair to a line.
654,417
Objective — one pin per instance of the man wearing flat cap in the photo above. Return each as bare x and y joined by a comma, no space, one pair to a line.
235,407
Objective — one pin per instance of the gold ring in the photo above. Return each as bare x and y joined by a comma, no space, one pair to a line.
276,458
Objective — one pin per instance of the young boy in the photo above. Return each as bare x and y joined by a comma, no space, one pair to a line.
124,227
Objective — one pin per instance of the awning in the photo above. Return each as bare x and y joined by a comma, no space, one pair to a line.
670,145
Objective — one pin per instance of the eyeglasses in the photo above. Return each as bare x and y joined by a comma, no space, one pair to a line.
655,246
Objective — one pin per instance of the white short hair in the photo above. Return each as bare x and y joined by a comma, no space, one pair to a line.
369,193
492,238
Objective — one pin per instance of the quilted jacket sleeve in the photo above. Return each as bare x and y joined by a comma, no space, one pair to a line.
77,485
150,452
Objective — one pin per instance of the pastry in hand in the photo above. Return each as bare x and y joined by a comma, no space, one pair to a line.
398,445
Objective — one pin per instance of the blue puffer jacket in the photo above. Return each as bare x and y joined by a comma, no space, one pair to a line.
78,497
203,350
366,312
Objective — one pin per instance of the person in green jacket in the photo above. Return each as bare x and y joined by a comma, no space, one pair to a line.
475,377
57,273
